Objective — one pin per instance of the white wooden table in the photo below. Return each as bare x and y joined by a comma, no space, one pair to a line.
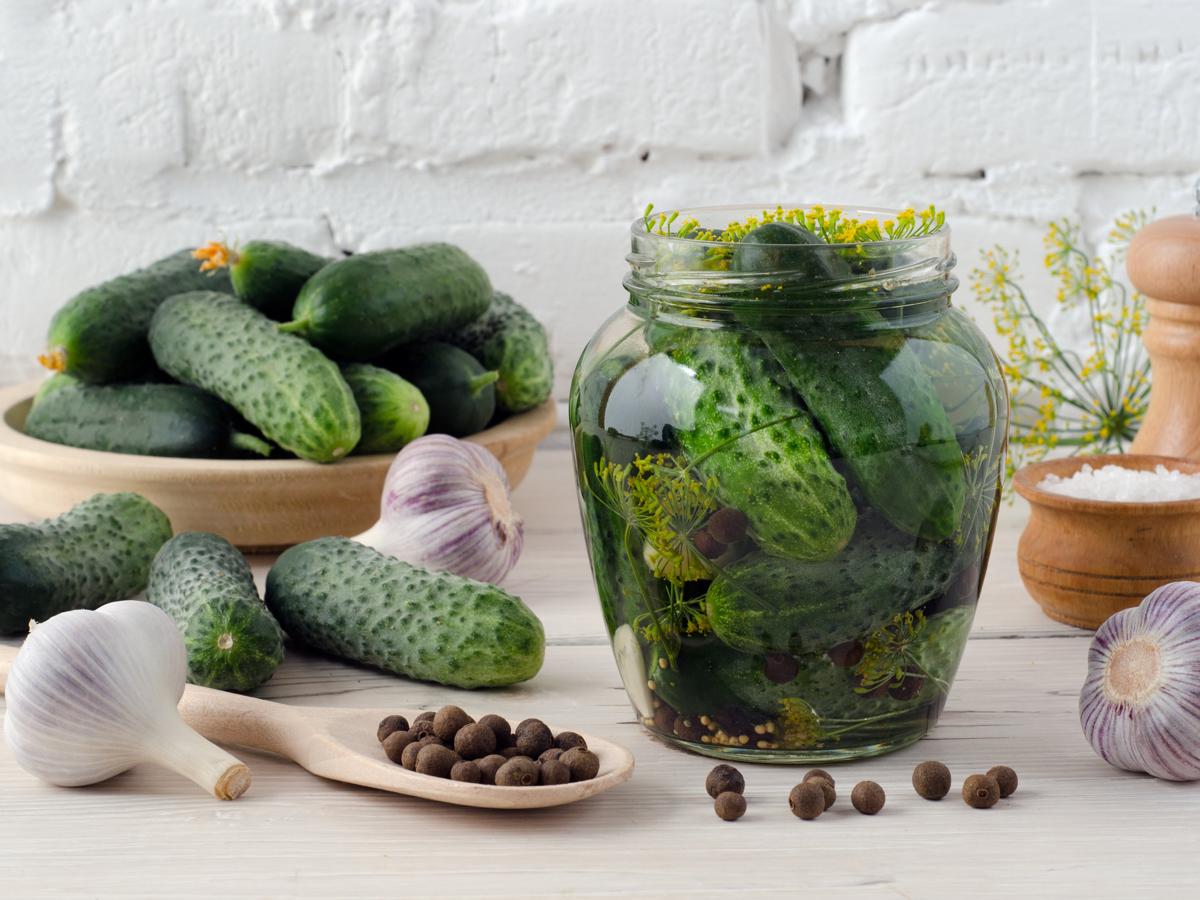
1075,827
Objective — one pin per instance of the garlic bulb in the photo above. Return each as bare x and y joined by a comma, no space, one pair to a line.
93,693
445,506
1140,705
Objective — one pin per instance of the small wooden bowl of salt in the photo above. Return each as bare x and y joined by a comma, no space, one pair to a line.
1104,531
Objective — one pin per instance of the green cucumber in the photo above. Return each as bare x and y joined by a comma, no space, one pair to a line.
460,392
267,275
510,340
100,334
98,551
742,426
789,250
348,600
692,686
281,385
357,308
393,411
204,583
144,419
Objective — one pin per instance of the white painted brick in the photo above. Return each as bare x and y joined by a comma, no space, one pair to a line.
28,107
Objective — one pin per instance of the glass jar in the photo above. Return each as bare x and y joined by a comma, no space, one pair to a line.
788,455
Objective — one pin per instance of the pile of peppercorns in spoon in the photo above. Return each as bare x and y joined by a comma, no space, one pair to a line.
450,744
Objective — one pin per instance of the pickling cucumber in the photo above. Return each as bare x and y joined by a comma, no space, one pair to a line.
460,392
357,308
268,275
393,411
204,583
510,340
346,599
98,551
787,250
144,419
100,334
279,383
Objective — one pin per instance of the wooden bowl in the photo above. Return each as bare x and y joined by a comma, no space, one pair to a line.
259,505
1084,560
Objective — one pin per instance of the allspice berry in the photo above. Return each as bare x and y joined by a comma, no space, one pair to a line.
436,760
819,773
980,791
474,741
422,728
520,771
533,738
584,764
780,668
555,771
448,720
552,753
724,779
408,756
931,780
510,752
466,770
427,715
394,744
807,800
488,766
1006,778
828,792
500,728
867,797
568,740
727,525
389,725
730,806
706,545
688,729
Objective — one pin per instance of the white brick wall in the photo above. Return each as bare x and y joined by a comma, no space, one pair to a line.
533,131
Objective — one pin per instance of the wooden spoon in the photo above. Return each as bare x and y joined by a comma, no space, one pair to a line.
340,744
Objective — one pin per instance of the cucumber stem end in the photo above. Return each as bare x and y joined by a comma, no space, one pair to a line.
54,359
479,382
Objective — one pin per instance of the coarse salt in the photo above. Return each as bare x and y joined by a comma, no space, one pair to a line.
1117,484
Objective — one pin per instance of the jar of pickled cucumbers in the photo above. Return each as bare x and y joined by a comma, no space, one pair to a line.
788,445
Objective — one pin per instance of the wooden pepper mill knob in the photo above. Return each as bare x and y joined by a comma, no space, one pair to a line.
1164,264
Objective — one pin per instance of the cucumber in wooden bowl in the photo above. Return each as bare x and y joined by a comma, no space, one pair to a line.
358,308
100,334
282,385
205,584
267,275
147,419
393,411
461,393
96,552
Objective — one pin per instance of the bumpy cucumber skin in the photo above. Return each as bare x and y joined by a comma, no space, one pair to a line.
351,601
461,400
269,275
279,383
145,419
102,331
393,411
510,340
204,583
879,409
782,247
97,552
746,430
357,308
762,604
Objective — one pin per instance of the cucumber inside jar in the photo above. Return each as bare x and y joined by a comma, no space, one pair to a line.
788,526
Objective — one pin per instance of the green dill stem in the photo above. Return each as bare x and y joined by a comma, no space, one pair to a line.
297,326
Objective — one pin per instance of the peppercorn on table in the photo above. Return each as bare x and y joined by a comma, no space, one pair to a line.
1074,827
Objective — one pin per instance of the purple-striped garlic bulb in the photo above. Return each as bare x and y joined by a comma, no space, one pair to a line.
445,506
1140,705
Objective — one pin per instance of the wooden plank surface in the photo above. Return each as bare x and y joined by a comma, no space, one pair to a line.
1075,828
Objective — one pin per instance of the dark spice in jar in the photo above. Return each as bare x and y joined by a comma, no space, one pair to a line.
664,717
867,797
568,740
474,741
389,725
394,744
448,720
584,764
931,780
688,729
908,688
781,667
520,771
980,791
500,728
730,806
1006,778
533,738
555,771
727,525
436,760
847,654
466,770
807,800
488,766
724,779
707,545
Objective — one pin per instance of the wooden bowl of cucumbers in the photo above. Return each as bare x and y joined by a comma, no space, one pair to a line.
262,392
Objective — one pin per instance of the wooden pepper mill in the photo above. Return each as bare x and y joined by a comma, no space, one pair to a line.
1164,264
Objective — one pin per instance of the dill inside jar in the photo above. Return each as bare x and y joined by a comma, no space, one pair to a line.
788,446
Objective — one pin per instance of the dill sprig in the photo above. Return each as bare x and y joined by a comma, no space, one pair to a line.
830,225
888,655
